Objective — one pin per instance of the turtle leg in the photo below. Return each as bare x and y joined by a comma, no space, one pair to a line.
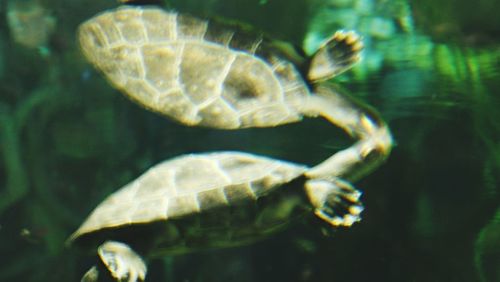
123,263
374,138
334,201
336,55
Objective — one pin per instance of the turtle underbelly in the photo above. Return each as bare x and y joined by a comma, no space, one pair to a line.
229,226
192,70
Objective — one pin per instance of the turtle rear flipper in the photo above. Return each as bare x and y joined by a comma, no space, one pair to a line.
336,55
335,201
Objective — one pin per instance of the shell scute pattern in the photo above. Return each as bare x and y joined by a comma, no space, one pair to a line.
226,117
219,35
145,91
190,184
160,26
239,192
212,199
213,75
182,205
155,59
133,32
191,28
202,71
110,33
201,174
131,66
149,207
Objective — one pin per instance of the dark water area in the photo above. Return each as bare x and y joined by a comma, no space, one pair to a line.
431,69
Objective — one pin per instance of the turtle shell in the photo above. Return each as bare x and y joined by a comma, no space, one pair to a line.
194,71
190,185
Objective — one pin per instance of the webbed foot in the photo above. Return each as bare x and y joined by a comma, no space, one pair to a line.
337,54
335,201
123,263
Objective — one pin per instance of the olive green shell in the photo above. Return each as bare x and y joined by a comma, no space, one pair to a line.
194,71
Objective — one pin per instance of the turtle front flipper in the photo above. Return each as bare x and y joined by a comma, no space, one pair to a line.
123,263
336,55
335,201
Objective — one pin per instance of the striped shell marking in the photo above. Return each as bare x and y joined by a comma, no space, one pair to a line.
191,70
191,184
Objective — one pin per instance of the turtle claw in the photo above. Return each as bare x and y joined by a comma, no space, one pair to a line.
123,263
346,220
337,54
335,201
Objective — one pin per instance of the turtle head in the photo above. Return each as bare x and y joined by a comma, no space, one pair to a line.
336,55
334,201
123,263
118,262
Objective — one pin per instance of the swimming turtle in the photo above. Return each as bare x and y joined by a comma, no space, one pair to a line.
205,73
210,200
202,73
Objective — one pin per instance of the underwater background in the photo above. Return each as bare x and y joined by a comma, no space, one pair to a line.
430,67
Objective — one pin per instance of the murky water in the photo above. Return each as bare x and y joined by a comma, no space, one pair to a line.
432,213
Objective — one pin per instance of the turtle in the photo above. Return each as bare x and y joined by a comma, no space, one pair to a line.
215,74
204,201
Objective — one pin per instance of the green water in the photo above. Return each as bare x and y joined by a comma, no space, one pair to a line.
431,68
